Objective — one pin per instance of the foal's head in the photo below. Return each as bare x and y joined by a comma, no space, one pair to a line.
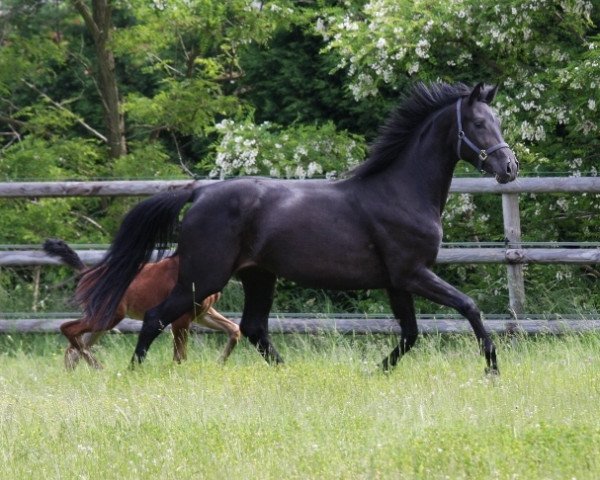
480,140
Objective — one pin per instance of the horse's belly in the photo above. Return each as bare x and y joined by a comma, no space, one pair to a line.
332,267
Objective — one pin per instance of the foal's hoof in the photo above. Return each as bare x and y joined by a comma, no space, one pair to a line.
492,372
72,358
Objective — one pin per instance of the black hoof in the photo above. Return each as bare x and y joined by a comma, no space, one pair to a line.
492,371
386,366
135,360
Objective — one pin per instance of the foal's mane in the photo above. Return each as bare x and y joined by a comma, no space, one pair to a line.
405,120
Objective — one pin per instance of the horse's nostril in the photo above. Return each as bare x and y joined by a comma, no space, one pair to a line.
508,169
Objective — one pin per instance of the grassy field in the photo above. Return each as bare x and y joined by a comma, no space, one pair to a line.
326,414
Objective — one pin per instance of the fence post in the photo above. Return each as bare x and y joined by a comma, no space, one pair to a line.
512,233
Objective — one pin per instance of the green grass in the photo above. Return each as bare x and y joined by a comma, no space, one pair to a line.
326,414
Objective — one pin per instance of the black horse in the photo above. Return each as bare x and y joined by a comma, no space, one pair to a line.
379,227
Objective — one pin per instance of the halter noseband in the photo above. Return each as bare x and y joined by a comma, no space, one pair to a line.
481,153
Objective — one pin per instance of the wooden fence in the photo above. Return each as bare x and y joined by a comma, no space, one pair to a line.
514,253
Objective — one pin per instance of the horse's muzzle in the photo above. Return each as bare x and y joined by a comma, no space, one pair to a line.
510,170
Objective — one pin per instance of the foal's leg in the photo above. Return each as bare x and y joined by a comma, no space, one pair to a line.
216,321
427,284
88,340
82,336
259,286
71,330
180,329
75,332
179,302
402,304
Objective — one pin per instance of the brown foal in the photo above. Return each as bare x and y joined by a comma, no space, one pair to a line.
150,287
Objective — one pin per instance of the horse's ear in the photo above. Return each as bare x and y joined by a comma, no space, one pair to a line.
490,94
476,93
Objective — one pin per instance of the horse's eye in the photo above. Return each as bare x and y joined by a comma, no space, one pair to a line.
479,124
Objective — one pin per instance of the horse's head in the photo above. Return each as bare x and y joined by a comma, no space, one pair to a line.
480,140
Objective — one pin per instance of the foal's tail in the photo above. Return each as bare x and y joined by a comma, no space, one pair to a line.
150,224
57,248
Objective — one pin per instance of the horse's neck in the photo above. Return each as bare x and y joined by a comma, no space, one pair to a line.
428,164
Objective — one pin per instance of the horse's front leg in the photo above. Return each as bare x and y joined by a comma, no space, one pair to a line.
428,285
402,304
156,320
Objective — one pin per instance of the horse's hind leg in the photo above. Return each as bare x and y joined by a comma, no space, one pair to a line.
72,353
78,348
427,284
403,306
259,286
90,339
179,302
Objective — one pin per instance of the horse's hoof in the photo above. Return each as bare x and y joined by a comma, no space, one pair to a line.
135,361
387,365
72,358
492,371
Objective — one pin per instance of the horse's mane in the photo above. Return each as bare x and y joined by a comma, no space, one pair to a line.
404,121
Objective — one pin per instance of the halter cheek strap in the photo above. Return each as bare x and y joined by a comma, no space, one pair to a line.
482,154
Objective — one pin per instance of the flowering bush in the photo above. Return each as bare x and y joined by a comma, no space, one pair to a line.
305,151
536,50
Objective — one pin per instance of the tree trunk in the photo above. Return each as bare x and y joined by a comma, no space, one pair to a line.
99,24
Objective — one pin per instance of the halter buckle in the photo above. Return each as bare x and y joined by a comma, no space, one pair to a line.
461,134
483,155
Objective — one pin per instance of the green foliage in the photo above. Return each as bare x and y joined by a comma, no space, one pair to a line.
27,58
145,161
298,89
188,107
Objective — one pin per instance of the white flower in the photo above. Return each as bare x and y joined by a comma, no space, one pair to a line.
422,48
592,104
413,68
300,172
313,168
320,26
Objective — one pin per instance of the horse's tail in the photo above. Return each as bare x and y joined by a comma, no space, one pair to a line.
150,224
57,248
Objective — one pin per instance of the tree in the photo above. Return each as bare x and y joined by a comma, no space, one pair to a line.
100,26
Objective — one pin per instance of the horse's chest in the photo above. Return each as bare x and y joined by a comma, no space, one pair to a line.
410,243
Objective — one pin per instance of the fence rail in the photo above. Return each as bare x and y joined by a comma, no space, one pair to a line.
114,188
447,255
348,325
514,255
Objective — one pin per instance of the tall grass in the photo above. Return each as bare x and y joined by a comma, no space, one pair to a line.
326,414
